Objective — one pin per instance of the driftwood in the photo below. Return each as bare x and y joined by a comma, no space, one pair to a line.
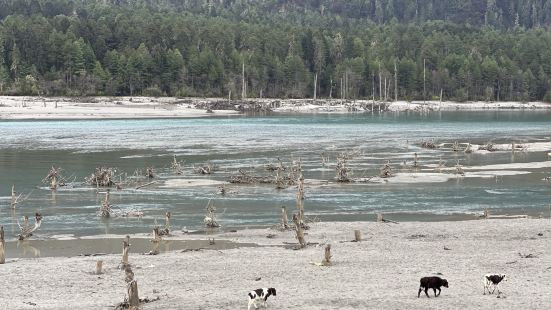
381,219
428,145
146,184
207,168
458,169
102,176
177,166
487,147
2,246
386,171
54,178
468,149
299,232
210,217
149,173
16,199
455,146
246,178
26,229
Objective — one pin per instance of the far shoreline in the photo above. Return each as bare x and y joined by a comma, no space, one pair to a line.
121,108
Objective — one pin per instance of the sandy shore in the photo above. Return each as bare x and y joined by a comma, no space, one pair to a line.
167,107
381,272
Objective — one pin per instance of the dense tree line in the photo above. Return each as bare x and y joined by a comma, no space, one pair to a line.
460,49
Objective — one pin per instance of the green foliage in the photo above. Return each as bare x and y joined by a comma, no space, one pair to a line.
473,49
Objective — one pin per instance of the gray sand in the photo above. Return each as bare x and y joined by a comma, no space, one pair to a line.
381,272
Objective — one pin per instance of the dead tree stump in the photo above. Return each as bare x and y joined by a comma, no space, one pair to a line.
284,220
125,249
299,231
133,299
327,257
2,246
99,266
357,235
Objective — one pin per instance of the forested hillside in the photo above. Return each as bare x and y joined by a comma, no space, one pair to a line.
462,49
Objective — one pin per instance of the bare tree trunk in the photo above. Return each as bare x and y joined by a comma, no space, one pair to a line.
357,235
53,183
380,84
133,299
168,215
327,256
315,87
2,246
125,248
373,92
243,87
13,197
424,81
395,82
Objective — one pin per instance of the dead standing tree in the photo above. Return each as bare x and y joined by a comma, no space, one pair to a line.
54,178
105,209
343,172
177,166
2,246
210,217
166,230
26,229
102,177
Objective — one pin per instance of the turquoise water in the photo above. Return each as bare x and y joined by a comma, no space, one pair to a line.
29,148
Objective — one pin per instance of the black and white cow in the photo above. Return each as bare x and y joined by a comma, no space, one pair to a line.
431,282
492,280
260,296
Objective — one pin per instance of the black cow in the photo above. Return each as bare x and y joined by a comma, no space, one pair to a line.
432,282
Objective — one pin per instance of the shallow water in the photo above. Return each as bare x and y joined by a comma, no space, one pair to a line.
29,148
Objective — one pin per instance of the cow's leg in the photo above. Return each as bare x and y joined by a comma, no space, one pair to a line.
439,291
251,302
419,293
434,290
427,292
493,289
485,289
